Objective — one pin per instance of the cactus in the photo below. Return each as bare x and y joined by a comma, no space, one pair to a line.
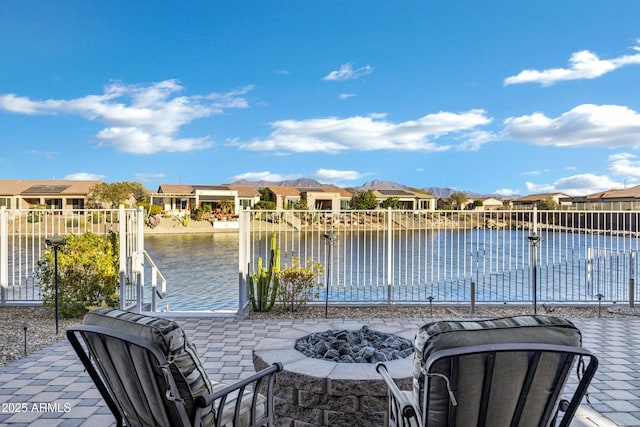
263,283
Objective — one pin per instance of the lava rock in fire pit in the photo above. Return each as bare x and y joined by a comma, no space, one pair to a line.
362,346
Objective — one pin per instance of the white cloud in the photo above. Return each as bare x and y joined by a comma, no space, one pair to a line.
474,140
346,95
576,185
85,176
624,164
334,135
139,119
582,65
346,72
584,125
333,175
147,177
264,176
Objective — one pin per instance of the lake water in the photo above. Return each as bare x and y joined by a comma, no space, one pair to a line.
202,269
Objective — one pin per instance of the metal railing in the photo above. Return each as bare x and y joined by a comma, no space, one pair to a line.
392,256
22,244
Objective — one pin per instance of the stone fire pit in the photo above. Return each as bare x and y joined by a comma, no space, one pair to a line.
314,391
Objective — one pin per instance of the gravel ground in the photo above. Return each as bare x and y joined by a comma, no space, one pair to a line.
41,320
41,330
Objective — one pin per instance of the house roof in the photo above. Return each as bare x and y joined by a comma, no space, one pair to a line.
245,191
627,193
175,189
538,197
40,187
282,190
401,193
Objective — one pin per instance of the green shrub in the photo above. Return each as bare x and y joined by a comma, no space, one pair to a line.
266,205
155,210
299,285
202,212
73,222
87,274
34,218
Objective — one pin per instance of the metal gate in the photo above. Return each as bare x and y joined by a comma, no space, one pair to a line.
23,233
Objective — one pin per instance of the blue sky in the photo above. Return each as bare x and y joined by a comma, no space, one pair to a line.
495,96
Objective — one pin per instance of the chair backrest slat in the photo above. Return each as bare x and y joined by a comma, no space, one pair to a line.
523,397
490,362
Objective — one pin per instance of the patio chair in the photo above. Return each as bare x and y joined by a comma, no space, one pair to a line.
149,374
502,372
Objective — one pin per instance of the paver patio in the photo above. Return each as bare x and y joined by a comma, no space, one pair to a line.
50,388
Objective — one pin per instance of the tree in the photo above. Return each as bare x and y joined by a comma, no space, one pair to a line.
548,204
365,200
139,192
87,273
118,192
390,202
226,207
267,205
301,204
458,199
265,194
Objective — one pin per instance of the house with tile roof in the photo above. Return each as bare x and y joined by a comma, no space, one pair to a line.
182,197
485,204
407,199
327,198
624,199
534,200
50,194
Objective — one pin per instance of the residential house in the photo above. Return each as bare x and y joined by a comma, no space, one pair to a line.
318,198
625,199
178,198
486,204
408,199
247,196
534,200
50,194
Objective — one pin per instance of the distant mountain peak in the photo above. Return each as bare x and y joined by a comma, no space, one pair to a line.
376,184
386,185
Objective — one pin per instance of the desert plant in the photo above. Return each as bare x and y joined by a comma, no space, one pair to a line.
263,283
299,285
87,273
202,212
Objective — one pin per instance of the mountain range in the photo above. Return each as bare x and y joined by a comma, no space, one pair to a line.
369,185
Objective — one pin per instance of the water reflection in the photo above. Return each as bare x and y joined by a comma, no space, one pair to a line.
201,270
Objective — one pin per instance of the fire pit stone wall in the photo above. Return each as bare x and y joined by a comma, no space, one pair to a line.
316,392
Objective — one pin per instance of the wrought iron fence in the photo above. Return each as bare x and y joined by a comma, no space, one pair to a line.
23,233
396,256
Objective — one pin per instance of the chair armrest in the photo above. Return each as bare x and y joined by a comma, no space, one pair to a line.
402,412
256,380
